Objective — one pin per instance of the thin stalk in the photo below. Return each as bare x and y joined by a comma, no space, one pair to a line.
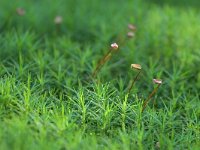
150,96
136,77
102,62
58,28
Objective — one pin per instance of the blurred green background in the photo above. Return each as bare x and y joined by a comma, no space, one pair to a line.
167,31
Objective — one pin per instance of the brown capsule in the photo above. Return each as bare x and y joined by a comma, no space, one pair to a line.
131,27
130,34
58,20
114,46
136,66
20,11
157,81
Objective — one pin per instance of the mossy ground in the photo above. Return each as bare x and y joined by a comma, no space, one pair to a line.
47,101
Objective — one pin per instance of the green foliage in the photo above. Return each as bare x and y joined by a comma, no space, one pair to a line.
48,100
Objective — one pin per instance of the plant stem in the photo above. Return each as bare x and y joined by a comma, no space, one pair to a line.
136,77
102,62
150,96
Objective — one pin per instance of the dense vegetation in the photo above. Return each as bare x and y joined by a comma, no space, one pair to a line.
48,99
